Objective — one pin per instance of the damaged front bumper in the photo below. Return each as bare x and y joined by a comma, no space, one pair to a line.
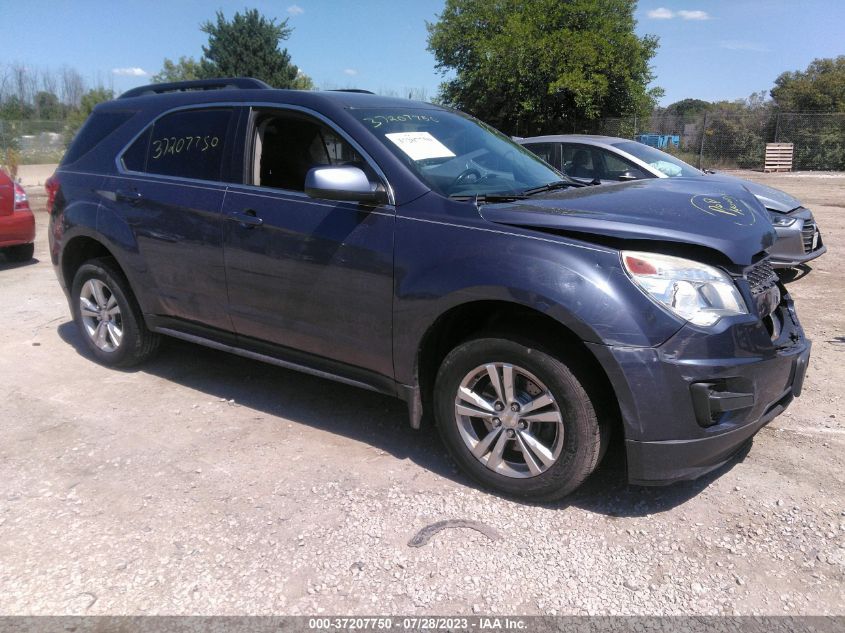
692,403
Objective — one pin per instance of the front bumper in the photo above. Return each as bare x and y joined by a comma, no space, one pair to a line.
17,228
689,405
798,243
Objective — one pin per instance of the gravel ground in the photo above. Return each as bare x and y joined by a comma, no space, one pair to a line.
203,483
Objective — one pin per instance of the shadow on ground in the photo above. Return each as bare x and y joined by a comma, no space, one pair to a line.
788,275
5,264
379,420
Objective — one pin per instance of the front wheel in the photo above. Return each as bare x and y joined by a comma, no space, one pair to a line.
108,317
517,419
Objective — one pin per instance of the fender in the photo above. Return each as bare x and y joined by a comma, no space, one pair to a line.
582,286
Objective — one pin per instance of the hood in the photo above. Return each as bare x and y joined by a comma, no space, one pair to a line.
718,215
772,198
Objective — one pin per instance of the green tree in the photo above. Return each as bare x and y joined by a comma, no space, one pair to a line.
248,46
48,107
819,140
13,109
687,107
185,69
533,66
303,82
820,88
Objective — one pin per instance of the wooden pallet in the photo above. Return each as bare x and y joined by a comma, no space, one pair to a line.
778,157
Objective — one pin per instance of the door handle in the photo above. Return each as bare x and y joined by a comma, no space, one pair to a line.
132,197
247,219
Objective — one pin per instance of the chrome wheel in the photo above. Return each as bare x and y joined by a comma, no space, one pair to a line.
101,315
509,420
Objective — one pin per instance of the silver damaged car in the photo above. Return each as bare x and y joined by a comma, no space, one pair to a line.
605,159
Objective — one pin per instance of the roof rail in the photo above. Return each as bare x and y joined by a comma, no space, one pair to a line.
358,90
244,83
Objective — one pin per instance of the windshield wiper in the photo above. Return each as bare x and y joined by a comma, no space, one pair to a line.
551,186
482,198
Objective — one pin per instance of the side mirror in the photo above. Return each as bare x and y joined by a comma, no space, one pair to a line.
345,183
7,195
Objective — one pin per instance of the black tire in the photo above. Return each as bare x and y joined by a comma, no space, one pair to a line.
19,253
584,437
137,343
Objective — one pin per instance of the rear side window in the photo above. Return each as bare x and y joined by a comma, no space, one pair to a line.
186,144
97,127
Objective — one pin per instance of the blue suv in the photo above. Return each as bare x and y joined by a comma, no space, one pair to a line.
412,250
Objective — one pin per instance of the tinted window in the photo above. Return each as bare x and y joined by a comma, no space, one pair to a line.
97,127
187,144
135,158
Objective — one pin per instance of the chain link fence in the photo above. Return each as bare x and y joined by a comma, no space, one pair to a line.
731,140
709,140
32,142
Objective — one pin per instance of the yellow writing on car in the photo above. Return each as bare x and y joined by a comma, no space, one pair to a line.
176,145
382,119
725,206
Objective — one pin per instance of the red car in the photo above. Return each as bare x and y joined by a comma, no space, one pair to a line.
17,224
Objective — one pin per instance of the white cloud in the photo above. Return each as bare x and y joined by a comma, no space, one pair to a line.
741,45
295,9
130,72
660,13
350,71
694,15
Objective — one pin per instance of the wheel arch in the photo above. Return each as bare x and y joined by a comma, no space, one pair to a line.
77,251
522,324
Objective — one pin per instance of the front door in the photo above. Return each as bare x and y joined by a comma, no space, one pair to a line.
310,275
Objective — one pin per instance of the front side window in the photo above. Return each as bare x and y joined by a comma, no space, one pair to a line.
454,154
617,168
549,152
287,145
186,144
580,161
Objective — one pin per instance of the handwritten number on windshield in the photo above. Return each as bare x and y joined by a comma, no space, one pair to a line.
382,119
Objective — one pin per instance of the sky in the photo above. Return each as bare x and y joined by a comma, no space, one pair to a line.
709,49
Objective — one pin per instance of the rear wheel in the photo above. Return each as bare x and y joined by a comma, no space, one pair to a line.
108,317
19,253
517,419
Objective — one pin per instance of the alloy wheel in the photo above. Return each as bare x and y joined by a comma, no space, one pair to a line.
101,315
509,420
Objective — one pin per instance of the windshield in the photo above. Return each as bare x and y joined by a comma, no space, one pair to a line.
456,155
661,161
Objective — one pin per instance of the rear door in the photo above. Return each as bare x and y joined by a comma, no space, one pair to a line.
169,192
310,275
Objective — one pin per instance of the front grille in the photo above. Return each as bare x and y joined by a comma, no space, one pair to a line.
807,235
761,277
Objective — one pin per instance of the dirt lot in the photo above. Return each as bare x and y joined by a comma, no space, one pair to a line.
203,483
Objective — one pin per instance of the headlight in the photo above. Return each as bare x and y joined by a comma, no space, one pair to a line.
778,219
696,292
